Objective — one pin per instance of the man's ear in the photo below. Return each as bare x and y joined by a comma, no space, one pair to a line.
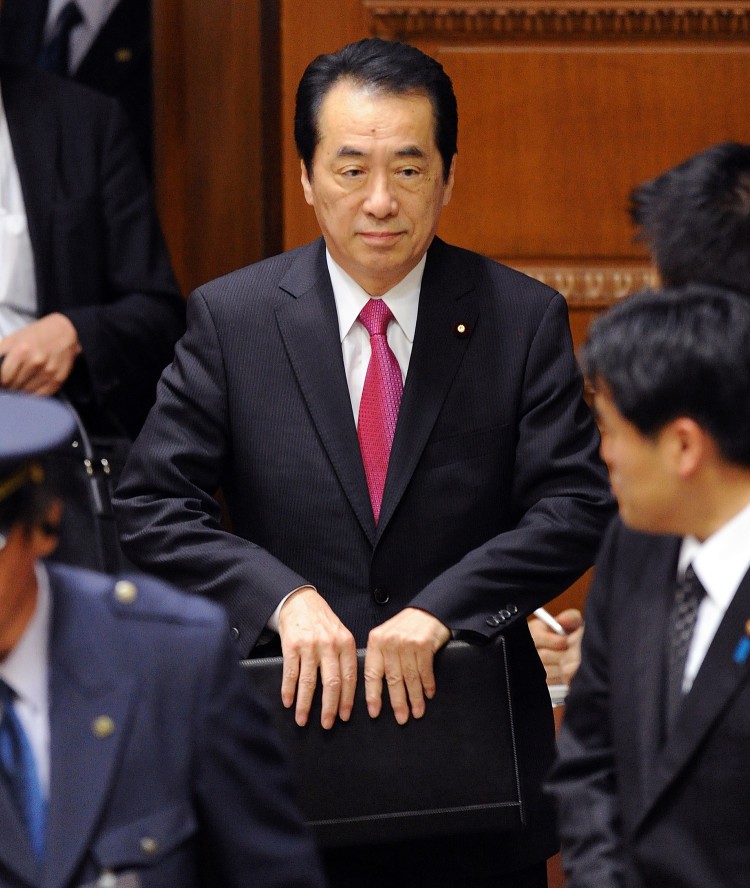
306,186
690,445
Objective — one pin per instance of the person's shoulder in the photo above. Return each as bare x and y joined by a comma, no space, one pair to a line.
267,275
39,85
137,598
490,275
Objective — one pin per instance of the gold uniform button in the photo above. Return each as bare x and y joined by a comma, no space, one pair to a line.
125,591
103,727
149,846
461,330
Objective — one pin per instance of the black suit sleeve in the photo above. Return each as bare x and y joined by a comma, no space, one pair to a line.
560,496
168,519
584,779
130,317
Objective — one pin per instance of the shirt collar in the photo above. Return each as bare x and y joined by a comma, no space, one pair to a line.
721,561
403,299
25,669
94,13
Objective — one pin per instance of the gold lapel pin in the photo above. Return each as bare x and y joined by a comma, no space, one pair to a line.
461,330
103,727
125,54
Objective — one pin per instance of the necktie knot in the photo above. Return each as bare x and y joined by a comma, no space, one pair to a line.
6,699
375,317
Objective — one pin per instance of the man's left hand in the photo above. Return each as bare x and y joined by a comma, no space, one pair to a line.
401,651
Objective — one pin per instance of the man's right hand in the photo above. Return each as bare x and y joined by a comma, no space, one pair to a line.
313,638
561,655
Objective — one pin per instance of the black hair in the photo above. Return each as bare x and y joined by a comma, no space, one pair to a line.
678,352
384,66
695,219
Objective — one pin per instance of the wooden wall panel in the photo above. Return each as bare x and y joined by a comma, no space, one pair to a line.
216,91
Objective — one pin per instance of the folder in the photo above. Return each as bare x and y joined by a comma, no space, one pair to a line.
372,780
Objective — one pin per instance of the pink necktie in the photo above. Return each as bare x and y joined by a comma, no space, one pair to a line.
381,398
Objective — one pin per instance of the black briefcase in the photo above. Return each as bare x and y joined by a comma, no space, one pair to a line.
373,780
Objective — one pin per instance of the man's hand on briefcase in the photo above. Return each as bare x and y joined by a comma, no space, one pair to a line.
401,651
312,638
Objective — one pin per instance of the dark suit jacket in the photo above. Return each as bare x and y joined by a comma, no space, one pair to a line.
118,62
634,810
494,501
187,759
99,254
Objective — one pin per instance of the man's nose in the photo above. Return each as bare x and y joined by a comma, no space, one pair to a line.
380,201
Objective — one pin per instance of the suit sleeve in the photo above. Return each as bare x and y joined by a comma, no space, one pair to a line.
132,313
169,521
251,827
560,495
584,779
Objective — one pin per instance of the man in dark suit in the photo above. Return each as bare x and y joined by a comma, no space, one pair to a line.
104,310
106,45
89,306
695,220
653,770
483,499
132,753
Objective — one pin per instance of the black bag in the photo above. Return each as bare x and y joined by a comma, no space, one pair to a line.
373,780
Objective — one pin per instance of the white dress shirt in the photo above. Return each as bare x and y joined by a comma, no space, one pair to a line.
18,301
25,671
403,301
95,13
720,563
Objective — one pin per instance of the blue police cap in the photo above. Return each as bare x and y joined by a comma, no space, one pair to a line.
30,427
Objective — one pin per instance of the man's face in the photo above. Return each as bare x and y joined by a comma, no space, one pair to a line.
377,182
641,470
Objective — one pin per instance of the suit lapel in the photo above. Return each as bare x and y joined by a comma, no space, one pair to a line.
717,682
15,849
445,324
34,133
309,328
89,720
648,656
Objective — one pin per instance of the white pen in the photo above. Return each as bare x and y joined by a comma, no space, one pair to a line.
549,620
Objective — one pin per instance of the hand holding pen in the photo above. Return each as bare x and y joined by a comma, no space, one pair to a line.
558,643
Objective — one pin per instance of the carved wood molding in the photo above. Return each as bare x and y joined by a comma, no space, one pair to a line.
567,19
590,284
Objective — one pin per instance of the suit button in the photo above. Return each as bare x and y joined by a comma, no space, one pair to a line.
493,621
504,614
381,596
235,633
149,846
512,609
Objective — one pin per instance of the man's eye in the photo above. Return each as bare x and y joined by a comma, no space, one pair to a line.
352,174
409,172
